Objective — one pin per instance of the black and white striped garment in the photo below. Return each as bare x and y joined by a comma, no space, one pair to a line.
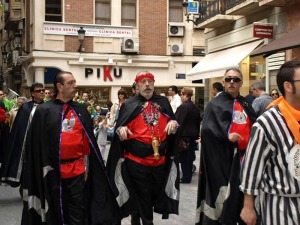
265,170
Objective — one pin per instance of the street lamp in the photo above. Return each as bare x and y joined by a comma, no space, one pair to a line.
4,54
17,41
192,8
81,33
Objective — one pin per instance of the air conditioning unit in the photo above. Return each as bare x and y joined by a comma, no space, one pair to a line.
130,44
176,30
177,49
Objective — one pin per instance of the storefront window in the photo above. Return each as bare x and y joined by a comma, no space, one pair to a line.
99,94
257,69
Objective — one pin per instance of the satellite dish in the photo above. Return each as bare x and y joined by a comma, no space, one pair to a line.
129,44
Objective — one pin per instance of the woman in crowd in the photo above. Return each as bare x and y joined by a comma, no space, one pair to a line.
274,94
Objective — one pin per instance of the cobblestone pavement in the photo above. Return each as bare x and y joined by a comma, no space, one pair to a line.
11,205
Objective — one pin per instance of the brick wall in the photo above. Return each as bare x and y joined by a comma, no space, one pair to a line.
79,11
153,27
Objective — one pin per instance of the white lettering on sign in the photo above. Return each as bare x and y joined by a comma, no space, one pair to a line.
93,31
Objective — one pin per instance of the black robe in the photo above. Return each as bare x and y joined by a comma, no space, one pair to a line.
120,180
41,176
219,164
11,170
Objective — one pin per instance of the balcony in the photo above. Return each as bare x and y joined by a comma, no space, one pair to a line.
241,7
212,14
274,3
12,15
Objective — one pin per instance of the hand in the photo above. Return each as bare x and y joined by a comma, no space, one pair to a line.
123,133
248,215
171,127
234,137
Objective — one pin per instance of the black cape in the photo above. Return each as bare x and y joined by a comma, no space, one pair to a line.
41,175
120,180
219,200
11,170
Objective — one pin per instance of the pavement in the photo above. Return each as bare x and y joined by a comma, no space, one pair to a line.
11,205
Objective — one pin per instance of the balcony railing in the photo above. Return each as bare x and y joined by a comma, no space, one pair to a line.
209,9
232,3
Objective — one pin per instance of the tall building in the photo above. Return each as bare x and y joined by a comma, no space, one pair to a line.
257,36
119,39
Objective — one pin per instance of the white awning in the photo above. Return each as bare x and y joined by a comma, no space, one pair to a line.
215,64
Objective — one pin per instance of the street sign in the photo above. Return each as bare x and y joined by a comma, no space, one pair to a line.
180,75
262,31
193,8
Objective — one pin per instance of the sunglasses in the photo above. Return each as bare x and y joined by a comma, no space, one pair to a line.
39,91
273,94
235,79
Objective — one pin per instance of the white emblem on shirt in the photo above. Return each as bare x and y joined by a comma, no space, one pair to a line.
293,160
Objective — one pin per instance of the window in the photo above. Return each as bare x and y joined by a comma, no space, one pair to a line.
128,13
175,11
102,13
53,10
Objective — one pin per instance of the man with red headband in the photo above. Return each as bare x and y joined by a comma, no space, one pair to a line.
143,162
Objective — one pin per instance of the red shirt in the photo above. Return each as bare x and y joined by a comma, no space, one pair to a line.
73,146
144,132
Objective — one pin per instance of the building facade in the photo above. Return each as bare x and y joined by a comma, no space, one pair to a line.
249,34
122,37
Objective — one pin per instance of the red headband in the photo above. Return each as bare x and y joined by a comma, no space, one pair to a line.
145,75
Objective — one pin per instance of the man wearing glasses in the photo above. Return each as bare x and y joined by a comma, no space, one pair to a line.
272,161
48,96
12,168
225,132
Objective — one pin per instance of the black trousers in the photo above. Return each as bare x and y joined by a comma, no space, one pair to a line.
187,158
147,183
74,212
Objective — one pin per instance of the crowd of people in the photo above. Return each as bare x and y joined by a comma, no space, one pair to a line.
54,148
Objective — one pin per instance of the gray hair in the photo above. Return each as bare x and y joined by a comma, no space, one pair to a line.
258,86
236,70
22,98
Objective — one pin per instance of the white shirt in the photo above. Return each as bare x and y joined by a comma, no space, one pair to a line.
175,102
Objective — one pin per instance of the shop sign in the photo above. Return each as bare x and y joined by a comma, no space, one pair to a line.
262,31
93,31
107,72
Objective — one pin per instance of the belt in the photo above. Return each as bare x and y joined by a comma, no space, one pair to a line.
65,161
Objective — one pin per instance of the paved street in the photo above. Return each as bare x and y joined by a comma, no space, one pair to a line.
11,205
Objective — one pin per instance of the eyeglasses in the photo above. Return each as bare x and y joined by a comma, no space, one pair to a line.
47,93
235,79
295,80
273,94
1,94
39,91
